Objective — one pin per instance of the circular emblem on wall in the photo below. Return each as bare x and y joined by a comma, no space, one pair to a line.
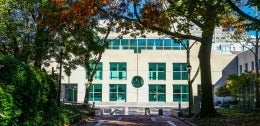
137,81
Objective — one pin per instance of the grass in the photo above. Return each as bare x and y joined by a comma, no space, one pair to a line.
231,117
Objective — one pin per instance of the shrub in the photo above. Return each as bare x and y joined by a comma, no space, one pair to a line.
8,109
31,94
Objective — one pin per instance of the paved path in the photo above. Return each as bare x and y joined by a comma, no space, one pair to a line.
135,120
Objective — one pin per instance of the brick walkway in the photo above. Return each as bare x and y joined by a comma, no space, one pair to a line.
135,120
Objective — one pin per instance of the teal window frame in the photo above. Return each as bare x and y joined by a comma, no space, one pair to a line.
99,72
142,44
157,71
133,43
116,44
118,71
157,93
178,45
138,44
70,92
125,43
95,93
117,92
180,93
159,44
167,44
179,71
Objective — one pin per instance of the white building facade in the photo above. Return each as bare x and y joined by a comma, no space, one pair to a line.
159,61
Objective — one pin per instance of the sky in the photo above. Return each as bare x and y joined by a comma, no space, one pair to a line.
251,11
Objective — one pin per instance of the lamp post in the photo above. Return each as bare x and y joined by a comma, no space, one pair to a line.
190,88
61,51
189,80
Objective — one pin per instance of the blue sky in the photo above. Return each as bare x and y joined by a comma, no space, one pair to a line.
251,11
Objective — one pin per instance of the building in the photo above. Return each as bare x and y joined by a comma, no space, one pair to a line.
158,61
246,61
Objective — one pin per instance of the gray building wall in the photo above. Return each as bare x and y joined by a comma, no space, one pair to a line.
231,68
246,61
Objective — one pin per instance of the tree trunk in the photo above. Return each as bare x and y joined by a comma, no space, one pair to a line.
88,85
207,106
257,95
40,48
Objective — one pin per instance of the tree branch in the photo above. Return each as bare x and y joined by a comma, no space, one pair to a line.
239,11
196,74
167,32
196,23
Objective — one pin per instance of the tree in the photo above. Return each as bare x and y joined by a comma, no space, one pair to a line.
174,18
21,33
29,94
204,14
232,86
239,87
83,37
252,24
87,49
188,47
222,91
8,110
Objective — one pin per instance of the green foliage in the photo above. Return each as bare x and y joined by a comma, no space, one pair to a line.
233,86
31,94
184,14
235,83
222,91
8,109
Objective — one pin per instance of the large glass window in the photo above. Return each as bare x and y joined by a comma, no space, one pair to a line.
158,44
125,43
114,44
167,44
133,43
117,92
180,93
142,43
180,71
70,92
157,71
176,45
95,93
99,73
139,44
118,71
157,93
150,44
